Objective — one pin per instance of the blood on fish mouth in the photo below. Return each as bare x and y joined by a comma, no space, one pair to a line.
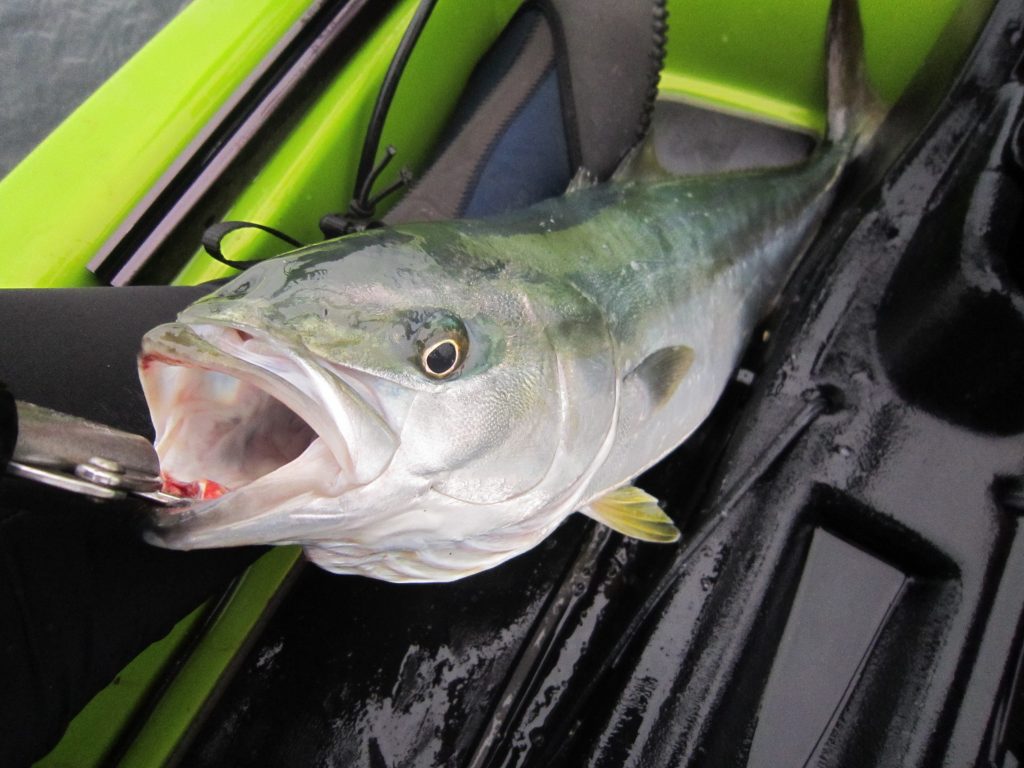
196,489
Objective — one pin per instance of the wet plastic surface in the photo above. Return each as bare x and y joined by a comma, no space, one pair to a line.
849,587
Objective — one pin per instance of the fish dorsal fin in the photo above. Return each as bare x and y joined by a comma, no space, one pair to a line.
628,165
641,163
633,512
662,370
584,179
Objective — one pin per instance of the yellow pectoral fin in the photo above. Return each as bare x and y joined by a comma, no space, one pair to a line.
633,512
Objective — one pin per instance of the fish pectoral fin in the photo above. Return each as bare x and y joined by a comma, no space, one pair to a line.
633,512
661,371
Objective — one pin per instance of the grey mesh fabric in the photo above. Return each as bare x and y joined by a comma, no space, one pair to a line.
54,53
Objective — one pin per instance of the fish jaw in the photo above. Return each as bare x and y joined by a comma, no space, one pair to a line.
268,424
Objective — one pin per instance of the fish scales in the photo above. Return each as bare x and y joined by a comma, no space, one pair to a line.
655,260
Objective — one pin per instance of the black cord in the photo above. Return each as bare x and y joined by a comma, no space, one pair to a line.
388,88
359,215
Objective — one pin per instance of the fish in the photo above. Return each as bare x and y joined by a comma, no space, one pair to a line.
422,402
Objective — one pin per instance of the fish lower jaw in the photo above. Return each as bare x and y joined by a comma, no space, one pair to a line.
253,513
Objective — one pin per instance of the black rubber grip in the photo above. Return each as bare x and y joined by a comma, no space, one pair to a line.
8,426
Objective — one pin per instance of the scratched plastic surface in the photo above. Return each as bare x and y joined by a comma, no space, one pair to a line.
848,589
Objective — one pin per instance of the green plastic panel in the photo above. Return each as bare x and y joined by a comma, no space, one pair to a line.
62,201
761,58
767,58
93,733
201,671
99,726
313,171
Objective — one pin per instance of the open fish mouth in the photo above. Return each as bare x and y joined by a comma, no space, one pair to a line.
246,424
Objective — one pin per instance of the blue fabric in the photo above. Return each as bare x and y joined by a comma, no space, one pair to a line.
530,159
492,69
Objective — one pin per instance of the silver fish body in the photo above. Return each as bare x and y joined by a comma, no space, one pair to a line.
588,336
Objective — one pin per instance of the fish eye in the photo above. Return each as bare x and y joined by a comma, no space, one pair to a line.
441,343
442,358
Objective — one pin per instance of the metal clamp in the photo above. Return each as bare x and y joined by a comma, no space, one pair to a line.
85,457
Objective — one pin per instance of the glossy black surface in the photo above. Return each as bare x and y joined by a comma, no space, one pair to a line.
850,585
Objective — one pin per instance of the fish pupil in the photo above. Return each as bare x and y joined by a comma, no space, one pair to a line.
441,359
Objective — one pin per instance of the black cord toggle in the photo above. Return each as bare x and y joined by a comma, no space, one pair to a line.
359,216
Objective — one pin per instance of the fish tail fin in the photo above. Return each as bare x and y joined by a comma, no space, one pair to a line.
854,111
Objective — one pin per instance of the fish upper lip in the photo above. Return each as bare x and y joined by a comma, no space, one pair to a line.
320,404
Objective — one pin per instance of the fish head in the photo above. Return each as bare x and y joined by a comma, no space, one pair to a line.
395,408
